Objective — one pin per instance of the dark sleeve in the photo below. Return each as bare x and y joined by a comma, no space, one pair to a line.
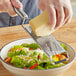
29,6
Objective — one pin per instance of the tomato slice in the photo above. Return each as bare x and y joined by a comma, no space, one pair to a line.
34,66
58,55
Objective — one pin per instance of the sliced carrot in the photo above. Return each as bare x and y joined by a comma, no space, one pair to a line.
12,50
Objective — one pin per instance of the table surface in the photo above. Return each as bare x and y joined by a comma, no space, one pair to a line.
66,34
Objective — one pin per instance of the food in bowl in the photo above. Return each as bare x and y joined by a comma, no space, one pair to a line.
30,56
35,72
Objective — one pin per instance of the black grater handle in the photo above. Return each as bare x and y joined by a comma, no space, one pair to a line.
60,61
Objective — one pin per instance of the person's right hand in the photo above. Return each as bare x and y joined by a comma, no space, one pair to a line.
60,11
7,6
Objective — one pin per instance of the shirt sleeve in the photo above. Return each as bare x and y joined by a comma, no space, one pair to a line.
29,6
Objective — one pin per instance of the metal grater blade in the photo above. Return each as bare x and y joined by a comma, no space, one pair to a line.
48,43
51,44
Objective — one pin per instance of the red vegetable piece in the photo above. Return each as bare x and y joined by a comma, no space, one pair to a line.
34,66
58,55
7,60
64,54
38,56
30,48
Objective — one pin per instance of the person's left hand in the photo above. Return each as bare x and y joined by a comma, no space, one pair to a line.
7,6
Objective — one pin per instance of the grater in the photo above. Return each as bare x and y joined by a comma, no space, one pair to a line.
48,43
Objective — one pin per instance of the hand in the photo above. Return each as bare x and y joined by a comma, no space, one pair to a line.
7,6
60,11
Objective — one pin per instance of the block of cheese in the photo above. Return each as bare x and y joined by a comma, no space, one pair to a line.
40,25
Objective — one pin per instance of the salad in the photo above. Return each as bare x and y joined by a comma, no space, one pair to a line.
30,56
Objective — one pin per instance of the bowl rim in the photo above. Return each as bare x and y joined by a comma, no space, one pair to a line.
37,69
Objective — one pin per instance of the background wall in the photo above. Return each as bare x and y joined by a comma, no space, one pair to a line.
73,2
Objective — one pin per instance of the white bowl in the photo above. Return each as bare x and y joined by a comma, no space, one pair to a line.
24,72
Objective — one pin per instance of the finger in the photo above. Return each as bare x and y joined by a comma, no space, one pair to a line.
52,16
16,3
68,15
60,17
68,20
12,14
10,10
41,6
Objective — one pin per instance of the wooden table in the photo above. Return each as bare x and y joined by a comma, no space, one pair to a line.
66,34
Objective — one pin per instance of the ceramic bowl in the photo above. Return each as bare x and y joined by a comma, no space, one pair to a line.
24,72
